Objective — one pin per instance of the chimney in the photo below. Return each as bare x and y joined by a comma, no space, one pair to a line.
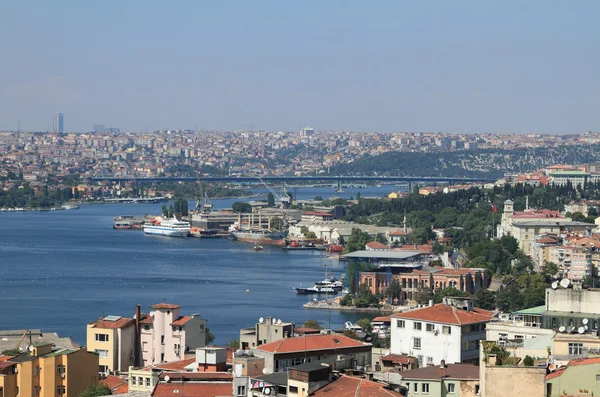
136,348
430,302
443,369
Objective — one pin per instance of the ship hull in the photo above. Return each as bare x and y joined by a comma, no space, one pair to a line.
165,231
277,239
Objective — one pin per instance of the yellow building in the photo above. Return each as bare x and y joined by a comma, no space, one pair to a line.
48,373
113,338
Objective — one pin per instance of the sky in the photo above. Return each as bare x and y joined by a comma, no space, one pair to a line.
444,66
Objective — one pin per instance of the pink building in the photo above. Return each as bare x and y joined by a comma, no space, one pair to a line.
165,335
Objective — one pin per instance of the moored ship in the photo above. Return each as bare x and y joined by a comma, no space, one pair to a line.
257,236
170,227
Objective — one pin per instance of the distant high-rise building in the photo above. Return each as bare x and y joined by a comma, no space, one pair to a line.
99,128
58,122
307,131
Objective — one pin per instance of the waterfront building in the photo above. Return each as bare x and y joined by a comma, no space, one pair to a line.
113,339
58,124
457,380
448,331
338,351
265,331
48,372
166,336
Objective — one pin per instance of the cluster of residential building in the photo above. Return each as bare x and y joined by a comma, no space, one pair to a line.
448,349
112,153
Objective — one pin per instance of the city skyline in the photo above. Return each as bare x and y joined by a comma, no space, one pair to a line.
392,66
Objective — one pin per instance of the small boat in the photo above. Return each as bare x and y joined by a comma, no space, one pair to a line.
315,290
258,248
122,225
70,207
335,248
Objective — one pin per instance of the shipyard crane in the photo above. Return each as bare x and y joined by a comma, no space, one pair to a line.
283,198
206,204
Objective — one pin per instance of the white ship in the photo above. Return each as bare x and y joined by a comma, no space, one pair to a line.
170,227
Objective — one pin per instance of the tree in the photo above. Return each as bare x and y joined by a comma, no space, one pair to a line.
365,324
210,338
99,389
276,223
270,200
510,299
180,207
485,299
311,235
394,291
365,298
441,293
380,238
422,296
437,248
357,241
313,324
242,207
318,198
358,195
418,236
346,300
549,270
528,361
235,343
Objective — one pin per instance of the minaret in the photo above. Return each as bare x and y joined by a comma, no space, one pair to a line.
404,222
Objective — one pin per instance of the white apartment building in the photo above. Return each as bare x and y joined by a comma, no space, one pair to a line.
448,331
165,336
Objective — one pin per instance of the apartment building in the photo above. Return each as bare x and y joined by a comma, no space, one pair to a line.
113,338
48,372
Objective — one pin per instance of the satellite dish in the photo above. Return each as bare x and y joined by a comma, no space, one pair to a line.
580,330
585,321
565,282
272,321
278,321
570,329
261,320
554,284
167,378
267,391
562,328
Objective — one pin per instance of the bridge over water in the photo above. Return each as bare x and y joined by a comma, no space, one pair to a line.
284,178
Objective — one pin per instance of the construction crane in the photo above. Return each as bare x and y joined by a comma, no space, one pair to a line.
21,340
283,198
206,204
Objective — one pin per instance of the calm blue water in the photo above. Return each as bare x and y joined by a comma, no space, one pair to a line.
63,269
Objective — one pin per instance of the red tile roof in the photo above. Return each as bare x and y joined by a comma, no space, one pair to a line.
397,233
447,314
116,384
181,320
398,359
383,319
201,389
377,246
555,374
120,323
165,306
198,376
305,330
310,343
177,365
146,319
346,386
584,361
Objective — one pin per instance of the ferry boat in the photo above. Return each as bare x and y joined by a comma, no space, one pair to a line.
122,225
170,227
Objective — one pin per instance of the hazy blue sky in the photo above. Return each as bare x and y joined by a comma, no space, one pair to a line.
452,66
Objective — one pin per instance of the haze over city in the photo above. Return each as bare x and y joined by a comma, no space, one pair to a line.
386,66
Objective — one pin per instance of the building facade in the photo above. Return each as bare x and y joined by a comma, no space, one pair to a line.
448,331
113,338
48,373
265,331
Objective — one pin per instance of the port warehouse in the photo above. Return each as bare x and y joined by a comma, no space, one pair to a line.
412,270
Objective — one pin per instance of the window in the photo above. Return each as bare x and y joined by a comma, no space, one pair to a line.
294,389
575,349
400,323
140,381
103,369
177,347
17,390
476,389
446,330
145,346
450,387
417,343
417,326
597,378
425,388
61,369
416,387
162,339
147,382
162,357
101,337
133,381
102,353
60,390
146,328
429,327
429,360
